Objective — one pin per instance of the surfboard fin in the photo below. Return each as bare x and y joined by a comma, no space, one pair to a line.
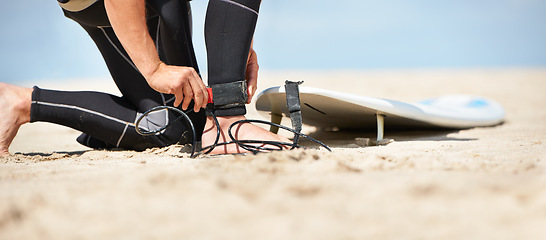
275,118
381,141
380,127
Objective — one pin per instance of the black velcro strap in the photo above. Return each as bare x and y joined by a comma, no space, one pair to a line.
293,103
229,95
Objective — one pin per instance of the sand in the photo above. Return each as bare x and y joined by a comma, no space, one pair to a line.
481,183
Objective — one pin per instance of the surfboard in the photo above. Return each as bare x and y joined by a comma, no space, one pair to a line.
332,110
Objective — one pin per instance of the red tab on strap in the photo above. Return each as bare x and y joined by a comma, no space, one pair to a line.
209,90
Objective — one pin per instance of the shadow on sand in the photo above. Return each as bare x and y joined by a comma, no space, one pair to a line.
346,138
50,154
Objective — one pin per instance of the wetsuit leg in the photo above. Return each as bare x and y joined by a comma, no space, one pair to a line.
173,31
105,117
229,28
108,118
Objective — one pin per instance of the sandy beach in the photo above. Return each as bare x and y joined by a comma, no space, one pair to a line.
480,183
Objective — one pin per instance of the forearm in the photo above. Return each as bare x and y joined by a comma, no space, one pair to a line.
128,19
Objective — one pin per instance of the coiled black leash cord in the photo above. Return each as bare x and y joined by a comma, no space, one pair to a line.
249,145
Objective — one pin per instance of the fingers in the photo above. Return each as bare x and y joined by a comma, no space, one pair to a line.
200,93
252,86
252,80
188,86
188,95
252,74
178,97
195,89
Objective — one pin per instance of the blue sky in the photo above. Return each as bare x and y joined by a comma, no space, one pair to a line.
39,43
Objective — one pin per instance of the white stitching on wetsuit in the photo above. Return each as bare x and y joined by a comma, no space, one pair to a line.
240,5
83,110
122,134
117,49
170,100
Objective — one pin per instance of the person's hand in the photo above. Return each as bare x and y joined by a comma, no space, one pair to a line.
252,74
183,82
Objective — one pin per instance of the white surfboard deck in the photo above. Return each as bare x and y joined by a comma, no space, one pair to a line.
327,109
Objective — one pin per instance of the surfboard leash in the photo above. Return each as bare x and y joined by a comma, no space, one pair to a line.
253,146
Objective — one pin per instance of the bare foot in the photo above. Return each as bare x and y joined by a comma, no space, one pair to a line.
244,131
15,106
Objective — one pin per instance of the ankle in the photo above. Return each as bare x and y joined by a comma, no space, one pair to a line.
226,121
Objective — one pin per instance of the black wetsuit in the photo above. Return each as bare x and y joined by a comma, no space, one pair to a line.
109,121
